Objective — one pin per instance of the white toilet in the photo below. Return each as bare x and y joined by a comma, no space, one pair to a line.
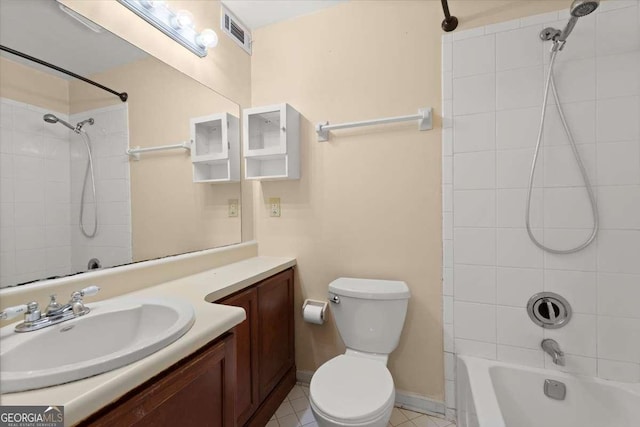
356,388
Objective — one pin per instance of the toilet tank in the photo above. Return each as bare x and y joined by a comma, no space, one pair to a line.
370,313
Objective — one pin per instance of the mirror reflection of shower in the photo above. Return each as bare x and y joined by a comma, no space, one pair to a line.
50,118
578,9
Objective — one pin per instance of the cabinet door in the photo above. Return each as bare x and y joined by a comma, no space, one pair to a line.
198,392
247,397
275,330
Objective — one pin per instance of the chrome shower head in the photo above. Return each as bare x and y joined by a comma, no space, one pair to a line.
580,8
50,118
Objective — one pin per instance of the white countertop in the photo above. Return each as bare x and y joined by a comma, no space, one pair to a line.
84,397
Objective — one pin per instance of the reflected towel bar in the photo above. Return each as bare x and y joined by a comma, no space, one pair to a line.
424,117
135,151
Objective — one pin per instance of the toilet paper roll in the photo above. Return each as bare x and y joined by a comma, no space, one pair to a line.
313,313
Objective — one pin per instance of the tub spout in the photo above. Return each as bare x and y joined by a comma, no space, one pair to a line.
552,348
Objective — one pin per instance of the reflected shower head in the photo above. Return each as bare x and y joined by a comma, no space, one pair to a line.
580,8
50,118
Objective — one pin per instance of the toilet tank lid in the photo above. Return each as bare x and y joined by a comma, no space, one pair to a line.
369,288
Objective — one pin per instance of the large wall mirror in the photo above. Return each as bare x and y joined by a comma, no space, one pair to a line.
51,223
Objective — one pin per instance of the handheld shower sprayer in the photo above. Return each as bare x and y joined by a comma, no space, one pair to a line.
50,118
578,9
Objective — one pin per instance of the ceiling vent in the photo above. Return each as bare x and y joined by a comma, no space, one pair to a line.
235,29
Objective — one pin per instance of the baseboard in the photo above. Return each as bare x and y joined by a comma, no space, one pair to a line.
404,399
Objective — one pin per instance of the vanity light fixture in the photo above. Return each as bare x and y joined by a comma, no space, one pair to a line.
177,25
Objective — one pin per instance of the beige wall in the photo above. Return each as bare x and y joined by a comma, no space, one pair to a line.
26,84
369,201
170,213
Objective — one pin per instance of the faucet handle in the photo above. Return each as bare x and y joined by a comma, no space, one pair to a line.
90,291
11,312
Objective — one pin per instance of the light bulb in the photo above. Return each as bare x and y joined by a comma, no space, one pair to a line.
207,38
182,19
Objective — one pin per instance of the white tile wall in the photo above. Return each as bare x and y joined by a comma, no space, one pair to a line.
492,267
42,173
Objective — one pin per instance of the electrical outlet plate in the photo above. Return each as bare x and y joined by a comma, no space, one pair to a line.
233,208
274,206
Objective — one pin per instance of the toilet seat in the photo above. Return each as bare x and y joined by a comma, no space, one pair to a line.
352,389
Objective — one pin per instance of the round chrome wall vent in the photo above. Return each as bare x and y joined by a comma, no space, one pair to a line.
549,310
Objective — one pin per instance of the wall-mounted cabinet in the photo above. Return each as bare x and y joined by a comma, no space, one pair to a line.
271,142
215,148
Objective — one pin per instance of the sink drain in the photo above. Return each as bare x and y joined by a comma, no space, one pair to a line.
549,310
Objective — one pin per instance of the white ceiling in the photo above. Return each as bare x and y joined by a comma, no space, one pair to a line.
39,28
258,13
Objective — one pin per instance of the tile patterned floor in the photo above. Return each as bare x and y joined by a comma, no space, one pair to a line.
295,412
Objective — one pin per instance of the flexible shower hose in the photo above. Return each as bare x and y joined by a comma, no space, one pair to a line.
85,138
550,82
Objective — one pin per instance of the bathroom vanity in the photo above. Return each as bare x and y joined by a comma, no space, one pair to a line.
233,367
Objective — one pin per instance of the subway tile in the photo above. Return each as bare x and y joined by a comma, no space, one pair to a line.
448,338
517,128
518,48
581,118
31,214
449,366
28,168
447,198
619,371
512,205
619,339
617,31
475,94
575,80
474,171
447,225
561,167
475,283
618,119
466,34
564,239
447,57
447,142
618,251
515,328
618,75
485,350
619,207
447,85
447,170
29,238
538,20
619,163
7,218
519,88
6,140
513,168
515,286
476,246
447,253
567,207
447,310
474,132
447,281
475,321
502,26
578,287
515,249
474,208
618,295
474,56
521,356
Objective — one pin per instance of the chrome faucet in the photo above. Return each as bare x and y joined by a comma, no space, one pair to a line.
552,348
55,313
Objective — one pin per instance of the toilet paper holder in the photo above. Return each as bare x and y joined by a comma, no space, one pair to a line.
311,305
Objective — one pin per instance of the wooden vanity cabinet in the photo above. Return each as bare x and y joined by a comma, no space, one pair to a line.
198,391
265,353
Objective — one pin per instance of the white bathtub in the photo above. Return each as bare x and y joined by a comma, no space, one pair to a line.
498,394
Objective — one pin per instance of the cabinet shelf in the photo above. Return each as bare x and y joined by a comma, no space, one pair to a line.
271,142
215,152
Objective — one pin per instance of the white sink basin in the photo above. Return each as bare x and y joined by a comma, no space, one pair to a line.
115,333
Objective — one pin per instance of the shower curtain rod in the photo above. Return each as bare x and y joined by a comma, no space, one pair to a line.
123,96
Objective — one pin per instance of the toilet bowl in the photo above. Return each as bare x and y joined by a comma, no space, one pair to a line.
351,390
356,389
